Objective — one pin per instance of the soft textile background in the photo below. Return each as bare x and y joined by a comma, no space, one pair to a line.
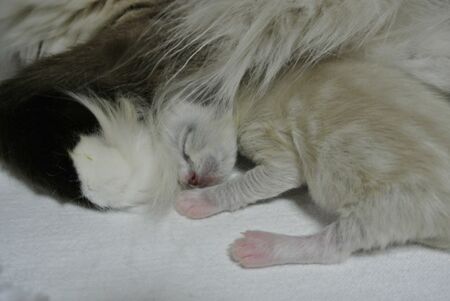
56,252
70,253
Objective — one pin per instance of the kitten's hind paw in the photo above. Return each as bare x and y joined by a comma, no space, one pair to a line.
195,204
255,249
262,249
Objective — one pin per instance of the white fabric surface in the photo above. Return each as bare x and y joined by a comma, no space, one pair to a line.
70,253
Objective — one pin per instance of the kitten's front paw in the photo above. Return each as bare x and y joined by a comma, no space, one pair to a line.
195,204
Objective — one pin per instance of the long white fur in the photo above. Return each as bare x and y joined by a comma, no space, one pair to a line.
31,29
258,38
127,163
252,38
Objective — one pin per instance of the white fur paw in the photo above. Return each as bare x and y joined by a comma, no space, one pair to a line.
106,177
255,250
195,204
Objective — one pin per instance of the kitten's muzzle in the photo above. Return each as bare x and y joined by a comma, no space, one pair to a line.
195,180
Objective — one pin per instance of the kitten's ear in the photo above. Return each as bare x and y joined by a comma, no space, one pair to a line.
36,136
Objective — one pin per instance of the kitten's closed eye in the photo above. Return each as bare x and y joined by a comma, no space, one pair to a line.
187,136
205,159
192,178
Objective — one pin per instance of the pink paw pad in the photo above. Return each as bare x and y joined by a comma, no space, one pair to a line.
194,204
255,249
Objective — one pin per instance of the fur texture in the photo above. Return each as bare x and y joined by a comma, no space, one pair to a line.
256,40
370,142
139,160
125,164
34,29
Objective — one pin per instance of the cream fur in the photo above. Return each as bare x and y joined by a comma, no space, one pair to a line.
370,142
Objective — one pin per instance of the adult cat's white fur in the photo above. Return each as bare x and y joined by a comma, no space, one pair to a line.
371,143
126,164
256,39
31,29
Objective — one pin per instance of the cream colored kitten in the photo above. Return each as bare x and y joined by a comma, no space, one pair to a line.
371,143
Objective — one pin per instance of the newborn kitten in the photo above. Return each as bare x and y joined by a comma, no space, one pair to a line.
371,143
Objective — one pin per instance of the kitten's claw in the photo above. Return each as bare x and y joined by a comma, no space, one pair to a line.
255,250
194,204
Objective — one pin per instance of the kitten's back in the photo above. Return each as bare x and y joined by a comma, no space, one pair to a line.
371,143
371,124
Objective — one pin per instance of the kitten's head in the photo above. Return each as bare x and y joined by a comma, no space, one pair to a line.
204,143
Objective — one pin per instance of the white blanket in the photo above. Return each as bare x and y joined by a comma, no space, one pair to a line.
69,253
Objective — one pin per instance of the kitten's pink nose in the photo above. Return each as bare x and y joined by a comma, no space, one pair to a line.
194,180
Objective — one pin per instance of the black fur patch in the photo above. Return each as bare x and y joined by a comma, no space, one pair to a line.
40,124
36,136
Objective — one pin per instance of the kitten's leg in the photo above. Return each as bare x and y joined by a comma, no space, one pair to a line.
366,225
262,182
262,249
331,245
